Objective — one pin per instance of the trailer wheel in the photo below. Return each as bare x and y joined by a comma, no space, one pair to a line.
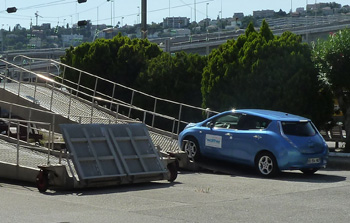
42,181
172,167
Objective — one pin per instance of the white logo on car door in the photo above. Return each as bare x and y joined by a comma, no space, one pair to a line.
213,141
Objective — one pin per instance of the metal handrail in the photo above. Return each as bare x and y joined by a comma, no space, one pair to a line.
110,99
18,124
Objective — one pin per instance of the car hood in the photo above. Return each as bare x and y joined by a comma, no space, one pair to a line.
190,125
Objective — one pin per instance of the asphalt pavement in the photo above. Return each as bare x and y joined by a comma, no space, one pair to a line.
230,194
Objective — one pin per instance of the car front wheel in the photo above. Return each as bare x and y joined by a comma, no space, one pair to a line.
266,164
191,147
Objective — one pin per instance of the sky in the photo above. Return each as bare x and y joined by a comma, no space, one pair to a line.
112,12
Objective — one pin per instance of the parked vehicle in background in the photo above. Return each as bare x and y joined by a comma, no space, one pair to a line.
270,141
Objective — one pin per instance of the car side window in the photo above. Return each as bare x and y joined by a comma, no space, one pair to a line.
250,122
227,121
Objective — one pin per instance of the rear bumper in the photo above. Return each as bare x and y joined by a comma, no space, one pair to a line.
302,161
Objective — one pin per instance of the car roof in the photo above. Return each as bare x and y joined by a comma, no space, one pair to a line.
272,115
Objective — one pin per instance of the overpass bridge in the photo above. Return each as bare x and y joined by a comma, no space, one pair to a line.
203,44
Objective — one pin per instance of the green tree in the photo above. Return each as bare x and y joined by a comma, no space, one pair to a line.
176,78
260,70
119,59
247,20
332,59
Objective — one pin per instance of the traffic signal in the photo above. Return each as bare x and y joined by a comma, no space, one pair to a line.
81,1
11,10
82,23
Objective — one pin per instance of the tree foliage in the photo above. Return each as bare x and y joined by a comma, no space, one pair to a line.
176,78
260,70
119,60
332,59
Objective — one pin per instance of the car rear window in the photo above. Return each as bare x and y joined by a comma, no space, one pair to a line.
298,128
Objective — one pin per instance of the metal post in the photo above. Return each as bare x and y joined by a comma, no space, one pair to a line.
78,83
179,122
112,96
70,103
132,100
28,129
48,148
144,117
174,121
93,100
30,69
117,112
95,89
53,131
92,111
63,74
53,84
5,75
35,86
9,123
19,82
154,111
48,68
17,143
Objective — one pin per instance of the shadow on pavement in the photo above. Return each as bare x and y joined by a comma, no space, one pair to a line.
21,185
222,167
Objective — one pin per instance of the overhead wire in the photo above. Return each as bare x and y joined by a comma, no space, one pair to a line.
61,2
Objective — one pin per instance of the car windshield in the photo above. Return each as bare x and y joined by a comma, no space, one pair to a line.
298,128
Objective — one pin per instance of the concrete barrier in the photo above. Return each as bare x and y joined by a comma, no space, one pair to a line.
14,172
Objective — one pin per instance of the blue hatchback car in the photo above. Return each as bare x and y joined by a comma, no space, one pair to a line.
270,141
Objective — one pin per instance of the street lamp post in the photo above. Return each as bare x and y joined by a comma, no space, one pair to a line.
207,13
107,30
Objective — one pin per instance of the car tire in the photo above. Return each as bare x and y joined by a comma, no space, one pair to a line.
309,171
192,149
266,164
172,168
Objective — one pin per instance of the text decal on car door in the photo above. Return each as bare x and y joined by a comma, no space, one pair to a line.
213,141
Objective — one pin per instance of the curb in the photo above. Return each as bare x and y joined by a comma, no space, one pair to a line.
339,161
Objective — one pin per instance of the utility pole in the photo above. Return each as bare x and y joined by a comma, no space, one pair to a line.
195,11
36,17
221,9
111,11
144,19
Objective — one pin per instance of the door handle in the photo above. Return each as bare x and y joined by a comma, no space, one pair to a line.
228,134
257,137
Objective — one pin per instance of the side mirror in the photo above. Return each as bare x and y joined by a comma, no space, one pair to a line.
210,125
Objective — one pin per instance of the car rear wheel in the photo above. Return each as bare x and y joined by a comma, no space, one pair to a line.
309,171
191,147
266,164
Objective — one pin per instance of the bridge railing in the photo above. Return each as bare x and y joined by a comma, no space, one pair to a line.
124,102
